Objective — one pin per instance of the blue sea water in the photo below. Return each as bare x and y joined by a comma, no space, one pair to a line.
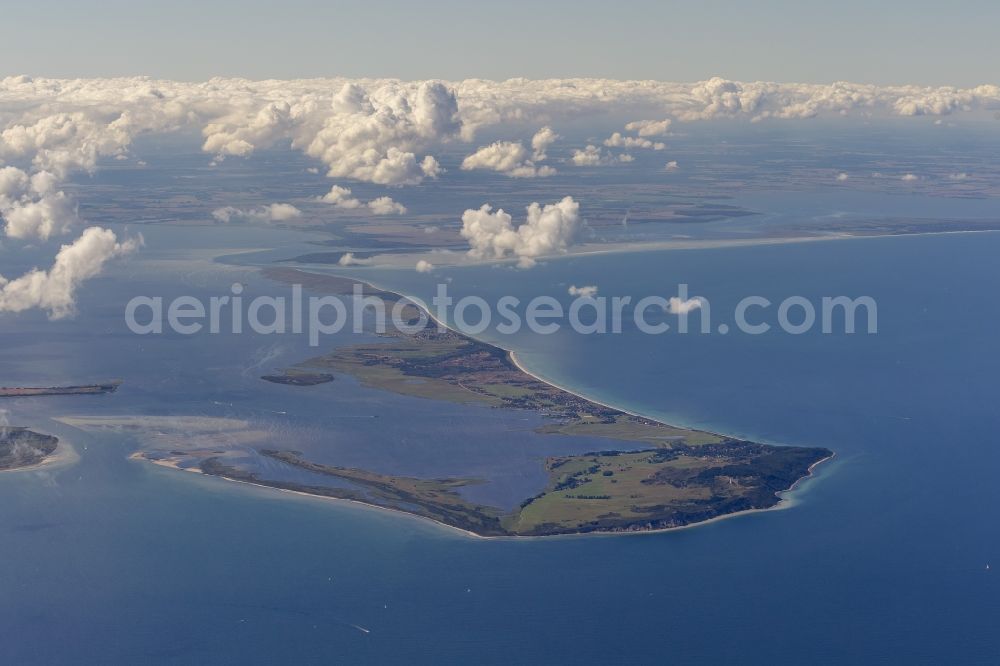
882,558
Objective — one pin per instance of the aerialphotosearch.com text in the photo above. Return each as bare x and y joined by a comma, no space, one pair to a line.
586,314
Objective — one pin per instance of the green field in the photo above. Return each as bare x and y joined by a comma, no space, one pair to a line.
661,488
660,476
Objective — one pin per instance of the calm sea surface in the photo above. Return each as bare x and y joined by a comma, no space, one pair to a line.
882,557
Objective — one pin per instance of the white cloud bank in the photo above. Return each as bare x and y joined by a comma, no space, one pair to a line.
382,131
379,130
546,230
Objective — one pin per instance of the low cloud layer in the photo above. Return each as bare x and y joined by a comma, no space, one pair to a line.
547,230
387,132
383,130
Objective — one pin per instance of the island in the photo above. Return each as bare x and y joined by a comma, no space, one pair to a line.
21,448
293,377
650,476
84,389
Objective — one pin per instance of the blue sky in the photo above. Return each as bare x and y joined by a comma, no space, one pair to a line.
804,41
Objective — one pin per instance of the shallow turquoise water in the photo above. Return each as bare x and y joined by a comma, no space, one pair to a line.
882,558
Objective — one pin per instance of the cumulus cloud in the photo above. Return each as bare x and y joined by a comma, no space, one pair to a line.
589,156
617,140
719,97
276,212
430,168
842,176
54,290
594,156
384,130
348,259
366,131
680,306
909,177
958,176
424,266
672,165
381,130
649,127
585,292
372,135
386,206
546,230
341,198
541,141
513,158
503,156
32,207
350,125
52,128
61,142
240,132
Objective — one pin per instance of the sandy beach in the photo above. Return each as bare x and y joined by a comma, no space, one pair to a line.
784,503
64,456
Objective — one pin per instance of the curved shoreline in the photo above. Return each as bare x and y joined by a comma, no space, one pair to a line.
512,356
782,504
513,359
676,245
64,456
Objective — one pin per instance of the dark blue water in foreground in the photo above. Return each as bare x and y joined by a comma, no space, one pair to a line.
882,558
